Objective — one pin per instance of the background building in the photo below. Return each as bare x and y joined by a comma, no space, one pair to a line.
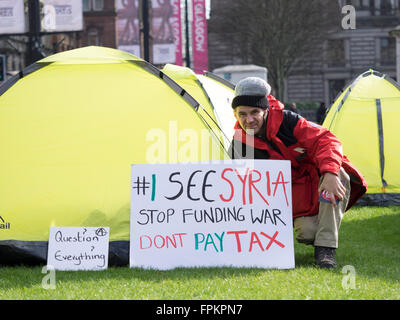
99,24
348,53
98,28
341,57
338,59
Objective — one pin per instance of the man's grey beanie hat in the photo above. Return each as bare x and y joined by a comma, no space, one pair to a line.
251,92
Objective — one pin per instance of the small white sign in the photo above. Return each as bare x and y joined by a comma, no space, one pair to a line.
78,248
164,53
201,215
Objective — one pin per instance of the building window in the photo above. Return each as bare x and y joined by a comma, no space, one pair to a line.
388,51
388,7
98,5
335,54
384,7
93,5
93,37
85,5
335,87
360,4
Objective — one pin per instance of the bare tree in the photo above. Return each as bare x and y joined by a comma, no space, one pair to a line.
276,33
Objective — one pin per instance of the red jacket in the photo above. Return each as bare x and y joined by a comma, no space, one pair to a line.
312,149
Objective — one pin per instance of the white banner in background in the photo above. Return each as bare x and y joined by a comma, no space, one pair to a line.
12,17
128,26
62,15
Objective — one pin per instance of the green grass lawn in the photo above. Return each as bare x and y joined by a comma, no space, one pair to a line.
369,242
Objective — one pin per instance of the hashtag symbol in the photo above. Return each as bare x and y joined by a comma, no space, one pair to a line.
141,185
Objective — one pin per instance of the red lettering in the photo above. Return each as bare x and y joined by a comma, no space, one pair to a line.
252,178
230,184
254,239
180,237
141,242
251,185
236,233
161,241
281,180
155,243
272,240
243,183
173,242
268,183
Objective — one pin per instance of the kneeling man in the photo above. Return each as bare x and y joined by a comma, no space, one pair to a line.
324,182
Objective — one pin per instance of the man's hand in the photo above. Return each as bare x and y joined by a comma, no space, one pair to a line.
334,187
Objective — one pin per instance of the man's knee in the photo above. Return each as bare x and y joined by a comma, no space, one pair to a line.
306,229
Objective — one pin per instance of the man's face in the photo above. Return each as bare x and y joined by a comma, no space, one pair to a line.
250,119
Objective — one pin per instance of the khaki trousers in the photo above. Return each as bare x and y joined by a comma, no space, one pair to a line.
323,229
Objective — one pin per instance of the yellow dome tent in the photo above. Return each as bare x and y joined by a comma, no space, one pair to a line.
221,93
71,126
214,95
365,118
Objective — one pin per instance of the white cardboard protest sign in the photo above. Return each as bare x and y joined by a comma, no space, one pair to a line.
78,248
215,214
